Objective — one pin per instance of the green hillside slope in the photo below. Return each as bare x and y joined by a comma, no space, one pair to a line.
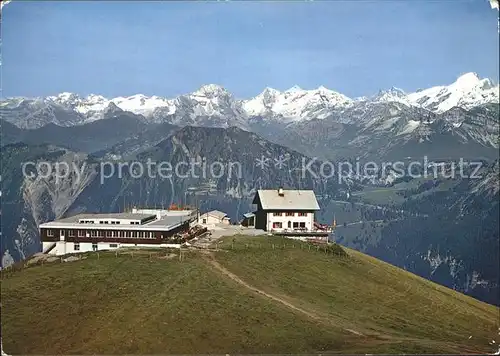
254,295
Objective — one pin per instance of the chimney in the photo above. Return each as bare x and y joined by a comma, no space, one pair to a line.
281,193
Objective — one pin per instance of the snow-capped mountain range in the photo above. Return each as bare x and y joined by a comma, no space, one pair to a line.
216,105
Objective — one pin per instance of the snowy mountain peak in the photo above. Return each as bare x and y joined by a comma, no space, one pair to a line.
294,89
137,97
211,90
270,91
295,103
393,91
397,91
262,103
466,92
141,104
322,88
65,98
468,79
471,81
393,94
94,98
216,103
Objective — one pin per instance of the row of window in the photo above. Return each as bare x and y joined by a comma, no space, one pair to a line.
108,233
295,225
112,222
289,213
76,246
123,234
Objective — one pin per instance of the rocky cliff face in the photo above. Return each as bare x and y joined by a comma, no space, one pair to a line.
30,199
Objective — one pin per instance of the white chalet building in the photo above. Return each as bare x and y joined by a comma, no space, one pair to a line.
285,211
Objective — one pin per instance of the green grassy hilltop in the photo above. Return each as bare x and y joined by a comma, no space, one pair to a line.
253,295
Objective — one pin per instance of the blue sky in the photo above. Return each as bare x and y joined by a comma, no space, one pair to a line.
171,48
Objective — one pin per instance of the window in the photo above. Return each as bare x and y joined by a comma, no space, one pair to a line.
50,232
76,246
71,233
204,221
94,247
289,224
276,214
289,213
113,245
81,233
101,222
277,225
117,223
302,214
302,224
295,225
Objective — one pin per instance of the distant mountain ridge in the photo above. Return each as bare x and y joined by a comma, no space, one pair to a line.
213,105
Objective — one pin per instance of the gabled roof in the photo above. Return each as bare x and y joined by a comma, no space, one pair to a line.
217,214
291,200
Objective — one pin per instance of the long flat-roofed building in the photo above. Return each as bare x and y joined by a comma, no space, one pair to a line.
93,232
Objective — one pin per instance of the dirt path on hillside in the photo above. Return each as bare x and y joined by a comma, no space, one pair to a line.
211,260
